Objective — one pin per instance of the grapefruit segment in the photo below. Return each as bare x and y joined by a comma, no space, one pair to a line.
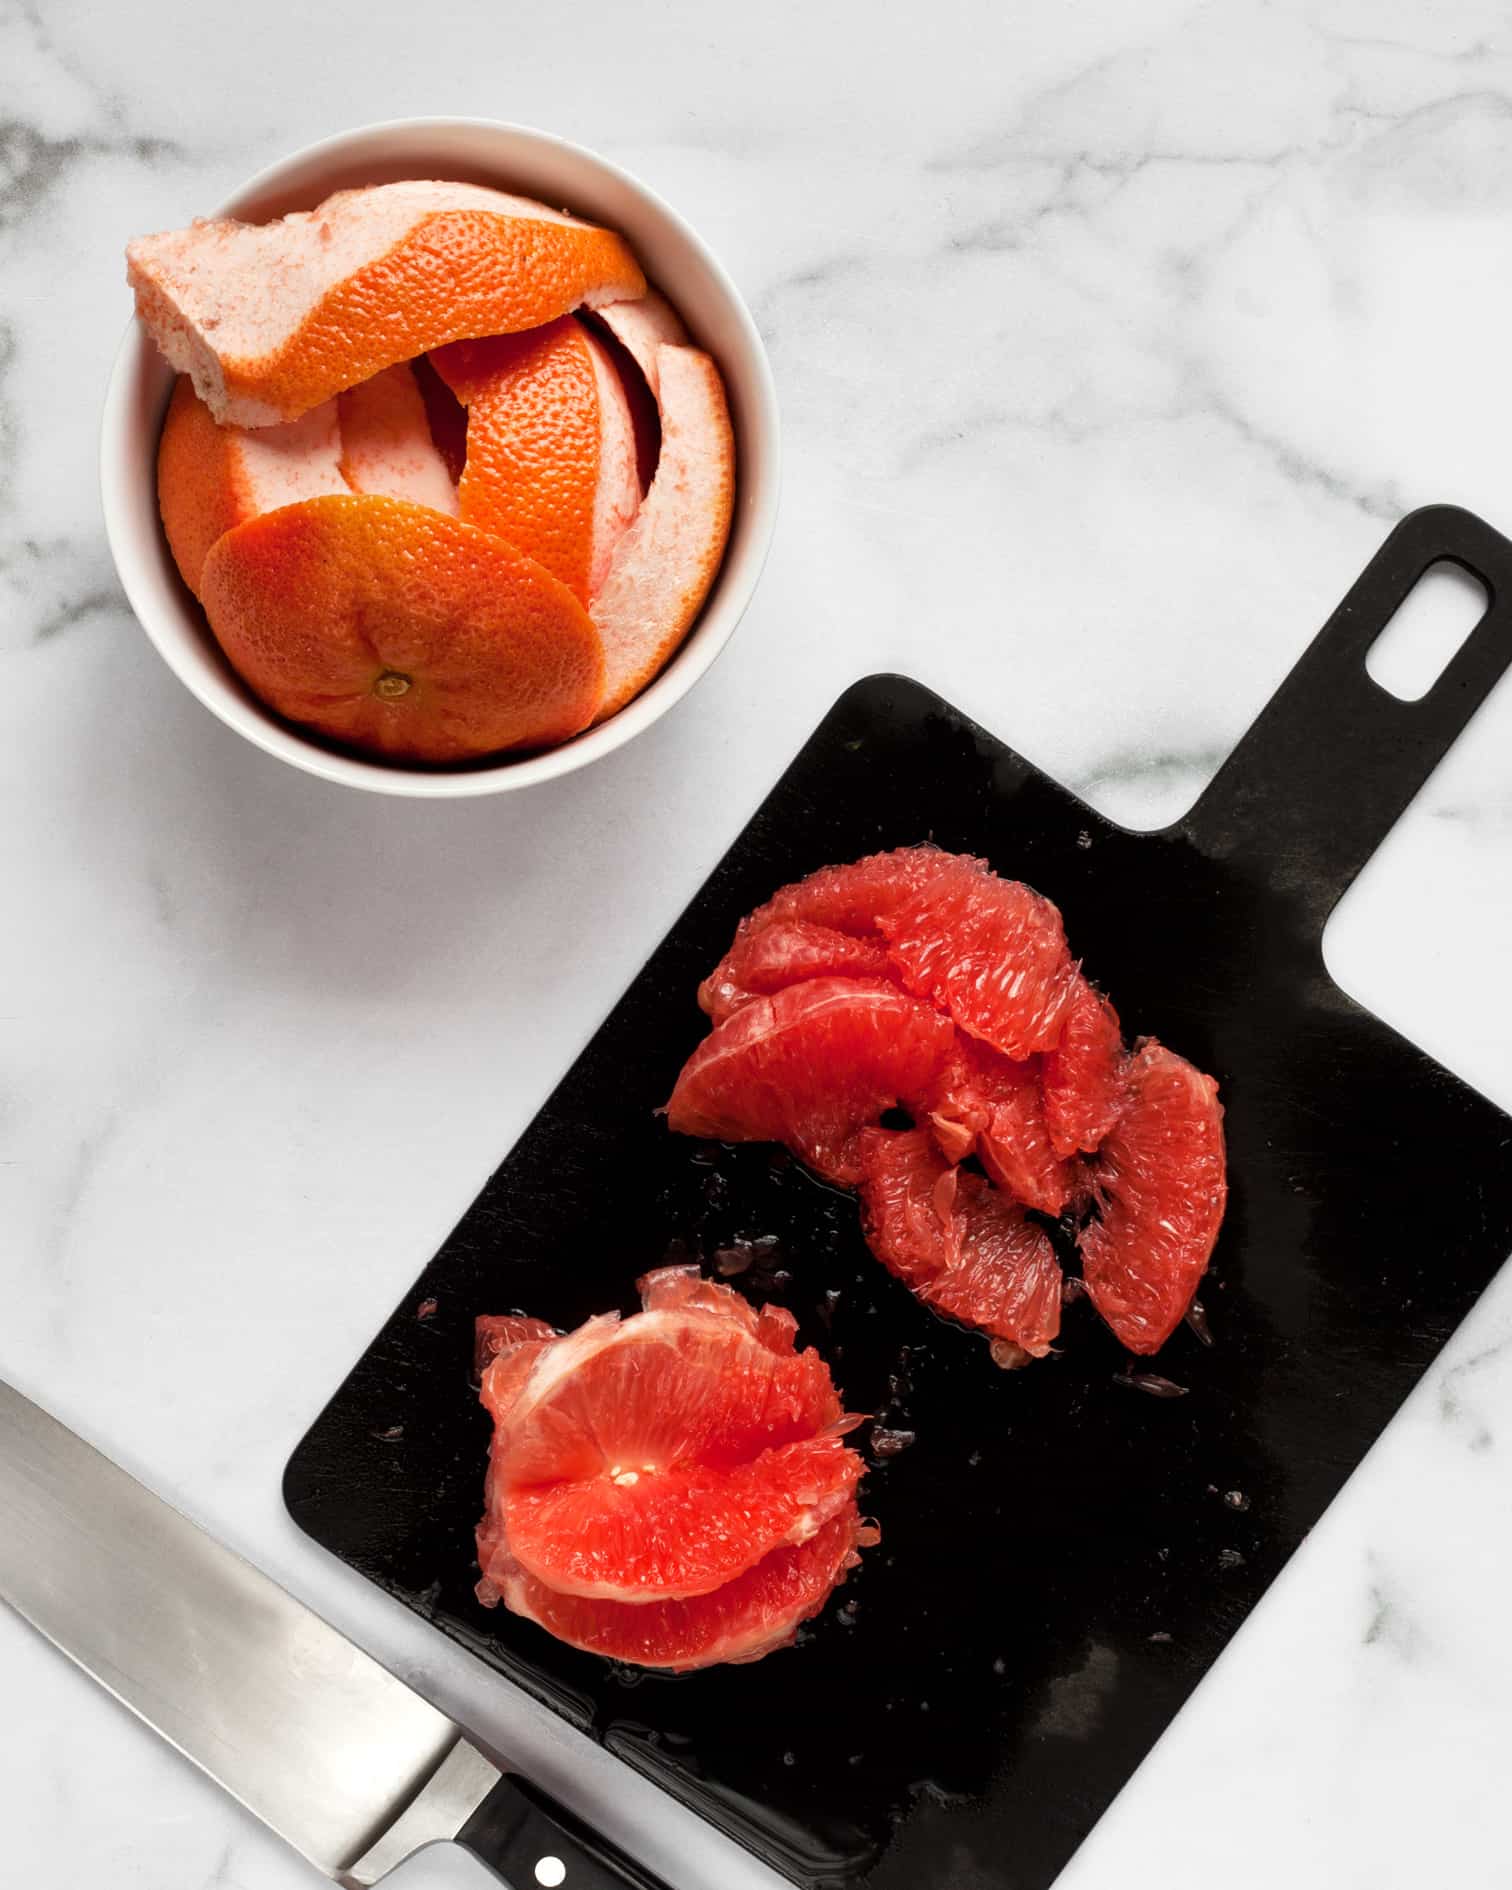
748,1618
789,951
848,900
643,1533
1161,1178
386,443
960,1245
271,319
211,479
812,1043
664,565
990,1106
1085,1076
992,953
856,897
811,1066
551,460
401,632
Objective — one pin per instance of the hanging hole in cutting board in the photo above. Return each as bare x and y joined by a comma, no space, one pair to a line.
1426,630
1415,937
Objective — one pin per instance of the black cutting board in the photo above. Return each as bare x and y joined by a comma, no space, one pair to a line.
1063,1556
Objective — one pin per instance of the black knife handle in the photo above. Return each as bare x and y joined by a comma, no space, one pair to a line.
518,1831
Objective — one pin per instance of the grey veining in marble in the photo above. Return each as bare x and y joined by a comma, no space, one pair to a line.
1110,339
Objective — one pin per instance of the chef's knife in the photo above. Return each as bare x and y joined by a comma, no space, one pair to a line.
328,1748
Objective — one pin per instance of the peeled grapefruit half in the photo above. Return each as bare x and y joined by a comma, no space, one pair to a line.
672,1488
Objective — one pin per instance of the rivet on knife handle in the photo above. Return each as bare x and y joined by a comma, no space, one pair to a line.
535,1844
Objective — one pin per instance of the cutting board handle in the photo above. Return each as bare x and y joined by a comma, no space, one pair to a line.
1332,760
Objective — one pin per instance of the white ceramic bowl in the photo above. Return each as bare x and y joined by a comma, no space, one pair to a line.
532,164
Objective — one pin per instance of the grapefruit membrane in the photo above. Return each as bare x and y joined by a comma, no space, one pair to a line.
988,1105
962,1245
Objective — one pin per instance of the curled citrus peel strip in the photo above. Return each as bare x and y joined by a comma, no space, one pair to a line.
211,479
599,453
550,446
271,319
665,564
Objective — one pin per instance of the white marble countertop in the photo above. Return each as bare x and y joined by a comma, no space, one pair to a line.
1110,339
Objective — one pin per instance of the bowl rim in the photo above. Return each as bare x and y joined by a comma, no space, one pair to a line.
719,618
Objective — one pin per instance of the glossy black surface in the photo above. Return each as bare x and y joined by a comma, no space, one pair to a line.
516,1828
1063,1556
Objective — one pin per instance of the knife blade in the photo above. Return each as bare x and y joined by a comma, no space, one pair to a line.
328,1748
